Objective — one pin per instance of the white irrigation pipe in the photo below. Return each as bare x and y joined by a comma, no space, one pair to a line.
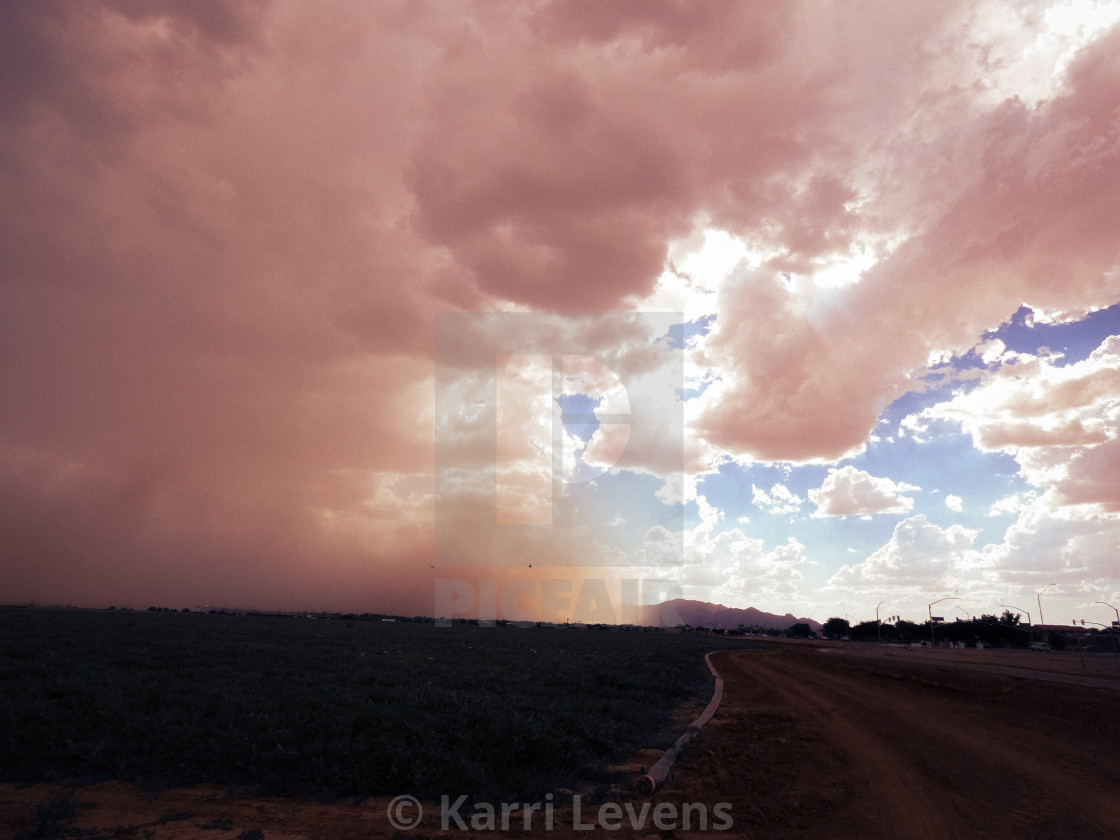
657,774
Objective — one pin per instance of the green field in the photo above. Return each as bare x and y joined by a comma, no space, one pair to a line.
281,705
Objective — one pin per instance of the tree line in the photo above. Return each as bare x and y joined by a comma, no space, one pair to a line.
993,631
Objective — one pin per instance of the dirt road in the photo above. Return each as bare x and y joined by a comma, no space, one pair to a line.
813,742
808,743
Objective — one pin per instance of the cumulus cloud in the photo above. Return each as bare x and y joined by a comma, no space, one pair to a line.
917,552
1072,547
1069,547
779,499
807,377
1006,505
731,566
848,491
1060,422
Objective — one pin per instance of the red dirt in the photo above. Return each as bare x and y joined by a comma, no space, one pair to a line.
809,742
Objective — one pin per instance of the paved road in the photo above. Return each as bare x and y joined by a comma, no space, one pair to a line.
990,668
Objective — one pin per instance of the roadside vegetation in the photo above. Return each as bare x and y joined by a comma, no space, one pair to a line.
333,708
1004,631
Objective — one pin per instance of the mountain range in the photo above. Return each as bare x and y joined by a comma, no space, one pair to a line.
716,616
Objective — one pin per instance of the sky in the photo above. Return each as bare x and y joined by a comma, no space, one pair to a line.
367,307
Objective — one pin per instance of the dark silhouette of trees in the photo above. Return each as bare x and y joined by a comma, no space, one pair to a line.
910,632
865,631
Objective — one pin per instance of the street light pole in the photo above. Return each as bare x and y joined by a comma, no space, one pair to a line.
1020,609
1030,634
1117,611
1041,620
878,626
1115,646
932,640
